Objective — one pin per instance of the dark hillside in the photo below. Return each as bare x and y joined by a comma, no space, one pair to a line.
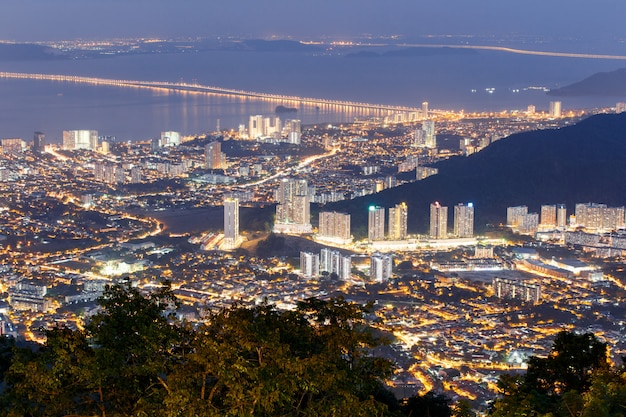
581,163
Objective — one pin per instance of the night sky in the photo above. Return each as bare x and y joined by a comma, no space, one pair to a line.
588,20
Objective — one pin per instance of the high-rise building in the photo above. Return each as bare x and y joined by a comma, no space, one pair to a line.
309,264
272,127
109,173
418,137
398,219
13,145
516,289
333,261
213,155
293,209
231,223
430,139
376,223
381,266
548,216
261,127
170,139
528,224
464,220
334,226
513,214
136,175
379,185
620,107
555,108
561,216
425,110
80,139
438,221
255,126
39,142
292,130
599,217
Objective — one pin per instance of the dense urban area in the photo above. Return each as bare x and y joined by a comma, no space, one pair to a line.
238,218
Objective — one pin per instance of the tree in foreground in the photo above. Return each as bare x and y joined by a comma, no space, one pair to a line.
133,359
574,380
312,361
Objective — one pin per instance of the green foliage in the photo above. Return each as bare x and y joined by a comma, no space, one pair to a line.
574,380
133,359
428,405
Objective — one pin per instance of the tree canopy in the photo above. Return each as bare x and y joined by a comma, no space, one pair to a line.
575,379
135,359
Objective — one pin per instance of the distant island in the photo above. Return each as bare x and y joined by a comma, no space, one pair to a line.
412,52
609,84
283,109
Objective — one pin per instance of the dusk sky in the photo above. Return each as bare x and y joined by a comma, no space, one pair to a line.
29,20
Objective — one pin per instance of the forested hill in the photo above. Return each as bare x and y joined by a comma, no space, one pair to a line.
610,84
581,163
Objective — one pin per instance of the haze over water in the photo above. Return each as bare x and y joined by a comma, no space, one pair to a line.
447,81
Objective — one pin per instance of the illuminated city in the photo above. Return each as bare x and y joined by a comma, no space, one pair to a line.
277,203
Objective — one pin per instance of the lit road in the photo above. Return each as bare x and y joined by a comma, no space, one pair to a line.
305,162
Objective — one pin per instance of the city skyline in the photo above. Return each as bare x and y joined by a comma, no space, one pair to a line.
469,218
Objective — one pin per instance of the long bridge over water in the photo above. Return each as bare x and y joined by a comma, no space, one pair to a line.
207,89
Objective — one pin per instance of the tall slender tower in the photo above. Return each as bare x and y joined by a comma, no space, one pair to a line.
398,218
438,221
231,223
213,155
430,139
561,216
548,216
555,108
39,142
376,223
464,220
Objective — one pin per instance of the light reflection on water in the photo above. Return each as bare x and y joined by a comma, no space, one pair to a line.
135,114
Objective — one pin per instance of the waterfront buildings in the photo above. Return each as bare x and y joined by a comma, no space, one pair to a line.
80,139
555,109
292,130
169,139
